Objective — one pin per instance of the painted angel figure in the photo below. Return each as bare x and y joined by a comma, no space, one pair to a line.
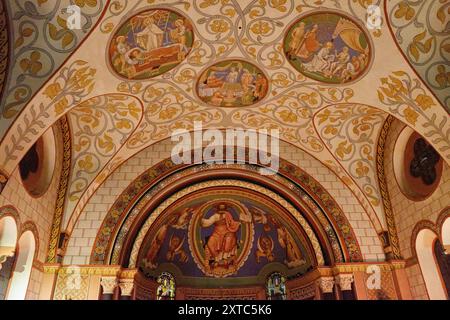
221,247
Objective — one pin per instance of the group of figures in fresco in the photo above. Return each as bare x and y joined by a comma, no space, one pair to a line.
328,48
232,83
219,236
151,43
325,46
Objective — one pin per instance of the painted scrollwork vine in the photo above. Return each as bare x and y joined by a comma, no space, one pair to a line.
422,29
70,87
41,43
407,99
350,133
100,127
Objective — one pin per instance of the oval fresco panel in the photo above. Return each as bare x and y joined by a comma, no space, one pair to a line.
150,44
232,83
328,47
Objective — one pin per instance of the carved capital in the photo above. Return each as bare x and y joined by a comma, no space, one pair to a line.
344,281
326,284
108,284
126,287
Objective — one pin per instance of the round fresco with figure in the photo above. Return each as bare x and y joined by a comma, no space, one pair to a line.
232,83
150,44
214,231
225,233
328,47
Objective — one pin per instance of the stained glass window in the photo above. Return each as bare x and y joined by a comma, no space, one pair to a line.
166,287
276,287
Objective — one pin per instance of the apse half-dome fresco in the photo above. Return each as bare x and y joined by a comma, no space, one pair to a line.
328,47
151,43
224,150
225,235
232,83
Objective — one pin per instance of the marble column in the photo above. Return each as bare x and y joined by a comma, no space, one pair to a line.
326,287
126,289
109,285
345,284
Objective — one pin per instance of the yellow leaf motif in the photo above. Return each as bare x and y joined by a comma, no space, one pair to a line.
167,114
279,5
288,116
261,27
424,101
106,143
361,169
207,3
404,10
343,149
61,106
123,124
89,3
324,116
86,163
220,26
410,115
53,90
330,130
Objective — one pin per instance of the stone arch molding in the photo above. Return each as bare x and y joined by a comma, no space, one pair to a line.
122,201
133,201
95,208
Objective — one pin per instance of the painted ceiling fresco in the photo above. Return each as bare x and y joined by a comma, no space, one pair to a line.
422,31
311,69
224,233
40,44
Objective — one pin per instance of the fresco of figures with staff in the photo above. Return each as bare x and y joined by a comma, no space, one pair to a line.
328,47
150,44
232,83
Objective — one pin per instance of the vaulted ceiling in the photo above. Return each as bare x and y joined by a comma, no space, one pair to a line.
52,72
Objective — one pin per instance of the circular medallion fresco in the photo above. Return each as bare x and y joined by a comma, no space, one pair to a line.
150,44
328,47
232,83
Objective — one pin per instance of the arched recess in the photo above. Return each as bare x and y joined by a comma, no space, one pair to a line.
26,251
445,234
115,235
8,241
443,223
146,207
425,242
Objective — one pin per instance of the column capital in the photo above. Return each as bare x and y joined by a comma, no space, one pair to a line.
344,281
126,287
326,284
108,284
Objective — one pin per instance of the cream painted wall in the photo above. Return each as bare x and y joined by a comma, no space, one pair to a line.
408,213
38,210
